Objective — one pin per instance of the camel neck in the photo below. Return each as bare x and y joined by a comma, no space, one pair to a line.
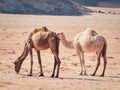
24,53
66,43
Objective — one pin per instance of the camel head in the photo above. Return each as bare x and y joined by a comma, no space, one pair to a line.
20,59
16,67
17,64
61,36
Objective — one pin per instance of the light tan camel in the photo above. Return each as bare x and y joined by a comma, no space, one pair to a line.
40,39
86,42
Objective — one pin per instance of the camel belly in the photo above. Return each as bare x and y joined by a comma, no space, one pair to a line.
88,49
40,47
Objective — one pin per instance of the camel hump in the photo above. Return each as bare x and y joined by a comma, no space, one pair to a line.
44,29
90,31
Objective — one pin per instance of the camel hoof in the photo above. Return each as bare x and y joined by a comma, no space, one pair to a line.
85,73
56,76
41,74
29,75
52,75
81,74
17,72
92,74
102,75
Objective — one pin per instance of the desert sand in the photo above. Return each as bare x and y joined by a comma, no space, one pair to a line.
14,30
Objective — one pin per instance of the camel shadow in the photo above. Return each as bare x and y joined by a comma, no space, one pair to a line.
91,78
87,77
82,78
33,75
113,76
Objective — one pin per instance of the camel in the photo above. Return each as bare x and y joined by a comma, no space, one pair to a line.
87,42
40,39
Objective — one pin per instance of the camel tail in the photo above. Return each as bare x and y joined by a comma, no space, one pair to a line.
57,45
104,49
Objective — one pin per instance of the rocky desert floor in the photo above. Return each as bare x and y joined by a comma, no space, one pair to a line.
14,30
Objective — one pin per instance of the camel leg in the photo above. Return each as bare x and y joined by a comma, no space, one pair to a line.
83,62
40,63
105,63
98,64
31,56
55,63
54,46
58,63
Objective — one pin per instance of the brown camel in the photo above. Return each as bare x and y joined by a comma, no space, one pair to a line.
40,39
87,42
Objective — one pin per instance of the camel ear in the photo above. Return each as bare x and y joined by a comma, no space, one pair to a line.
60,33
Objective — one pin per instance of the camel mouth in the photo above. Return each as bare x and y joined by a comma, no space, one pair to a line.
16,67
16,71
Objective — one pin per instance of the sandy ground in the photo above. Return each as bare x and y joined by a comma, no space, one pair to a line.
14,29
